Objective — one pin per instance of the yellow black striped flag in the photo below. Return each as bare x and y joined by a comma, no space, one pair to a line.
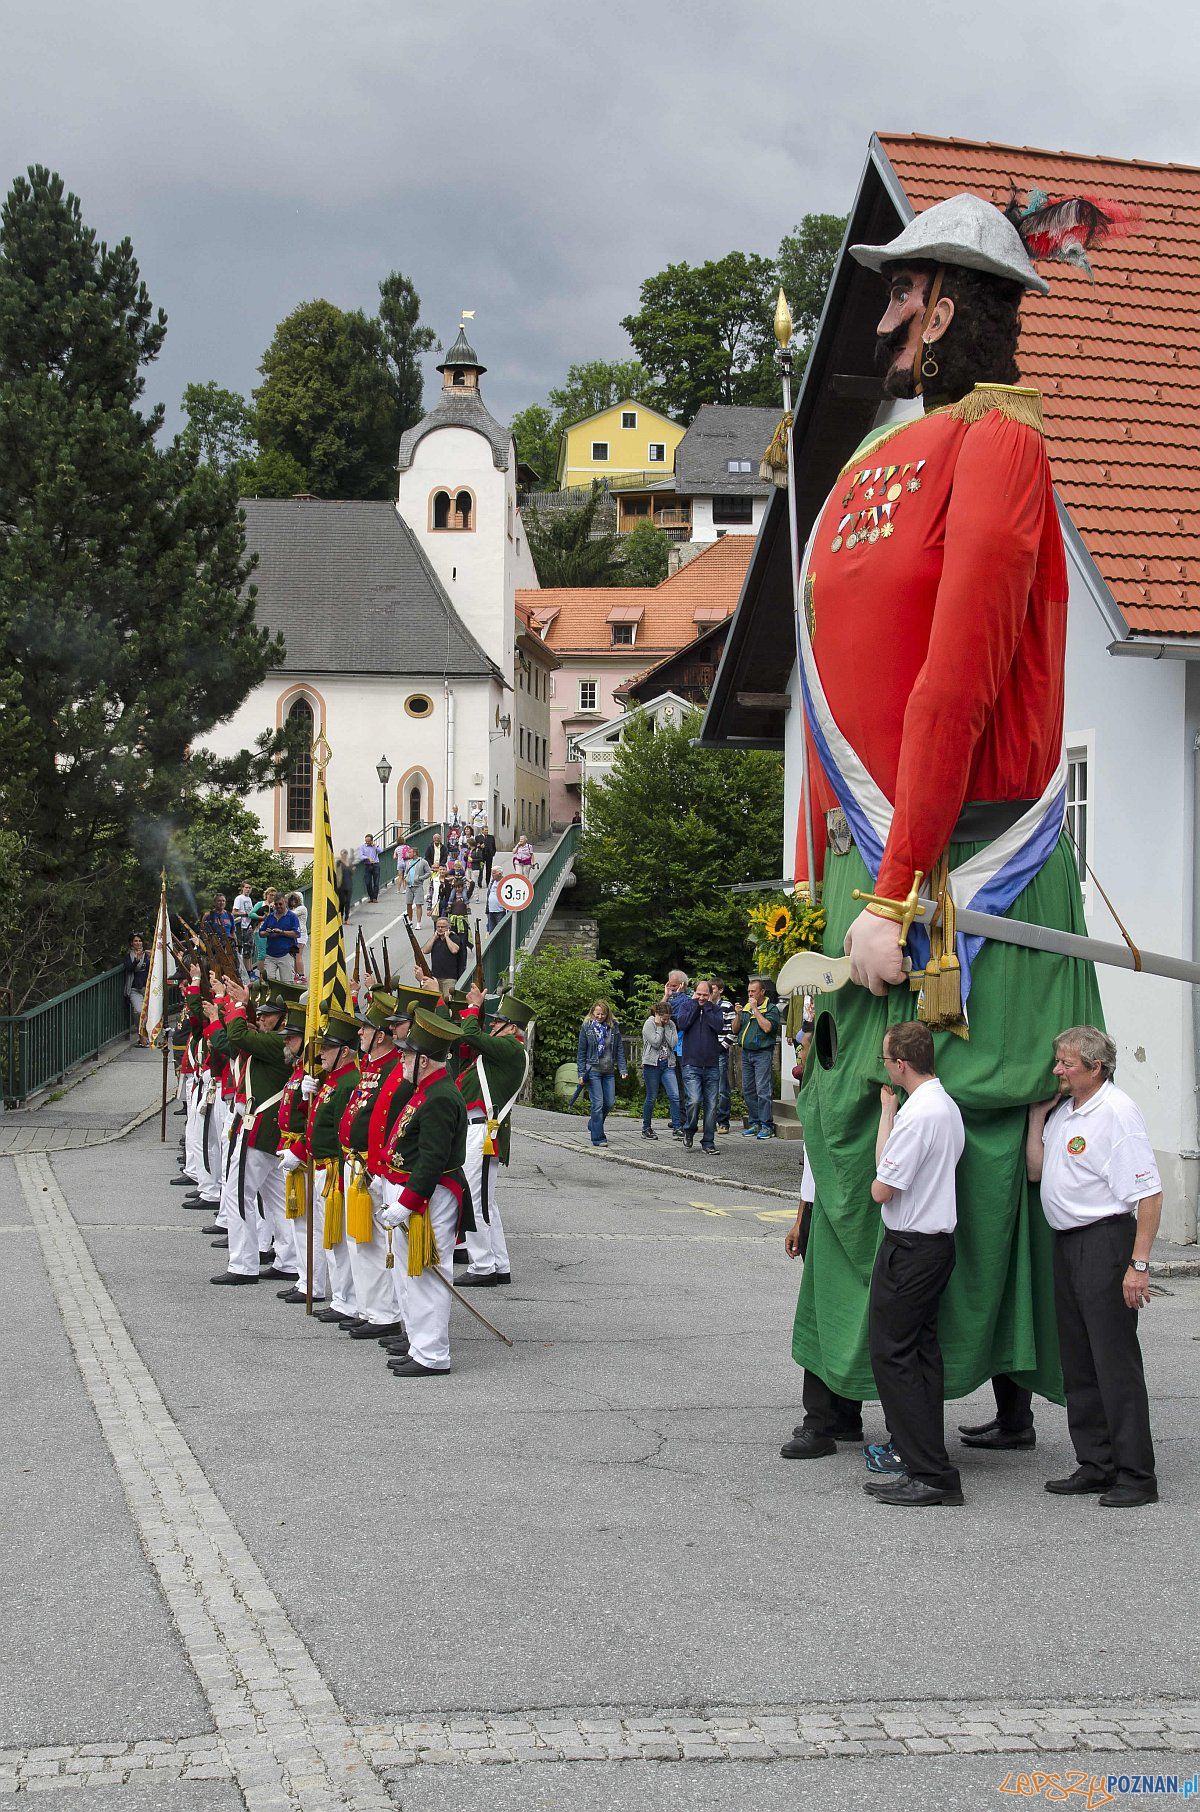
328,989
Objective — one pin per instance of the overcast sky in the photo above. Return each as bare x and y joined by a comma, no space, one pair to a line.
532,162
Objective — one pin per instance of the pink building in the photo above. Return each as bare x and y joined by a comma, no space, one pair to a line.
604,638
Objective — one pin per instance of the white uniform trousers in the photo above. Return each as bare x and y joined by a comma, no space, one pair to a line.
427,1302
486,1245
240,1210
230,1131
300,1236
265,1179
211,1150
374,1285
193,1128
337,1259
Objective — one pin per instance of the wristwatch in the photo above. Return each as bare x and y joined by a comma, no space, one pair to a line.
1139,1264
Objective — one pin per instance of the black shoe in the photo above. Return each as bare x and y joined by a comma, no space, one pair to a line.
677,1132
409,1368
396,1347
1001,1438
486,1282
1128,1497
885,1482
216,1230
687,1140
183,1182
222,1243
232,1277
332,1315
461,1255
274,1271
1083,1480
710,1151
853,1437
291,1295
179,1114
198,1205
267,1257
804,1445
502,1276
350,1322
911,1494
375,1330
647,1134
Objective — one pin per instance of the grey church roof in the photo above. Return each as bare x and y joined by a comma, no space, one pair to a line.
719,433
462,353
349,588
460,409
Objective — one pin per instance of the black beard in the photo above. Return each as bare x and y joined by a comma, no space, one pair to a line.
896,378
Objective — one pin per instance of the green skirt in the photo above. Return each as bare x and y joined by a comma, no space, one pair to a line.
997,1315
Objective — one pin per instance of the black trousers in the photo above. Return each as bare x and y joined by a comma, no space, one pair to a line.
1014,1405
911,1271
1108,1412
825,1413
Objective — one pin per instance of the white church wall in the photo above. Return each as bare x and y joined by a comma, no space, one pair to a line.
471,563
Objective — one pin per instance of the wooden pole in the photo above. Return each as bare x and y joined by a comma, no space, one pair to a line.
162,1118
314,1064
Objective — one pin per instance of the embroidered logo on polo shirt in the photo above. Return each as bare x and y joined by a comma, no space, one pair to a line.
1076,1145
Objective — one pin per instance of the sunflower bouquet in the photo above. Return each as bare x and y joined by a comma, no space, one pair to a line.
781,924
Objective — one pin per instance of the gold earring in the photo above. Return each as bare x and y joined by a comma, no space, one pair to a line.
929,365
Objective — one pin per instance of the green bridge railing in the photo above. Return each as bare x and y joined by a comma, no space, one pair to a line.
498,946
39,1046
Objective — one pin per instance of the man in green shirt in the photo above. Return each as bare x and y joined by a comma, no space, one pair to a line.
759,1030
489,1085
266,1074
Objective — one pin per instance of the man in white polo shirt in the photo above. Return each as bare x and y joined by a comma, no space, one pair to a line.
916,1152
1101,1193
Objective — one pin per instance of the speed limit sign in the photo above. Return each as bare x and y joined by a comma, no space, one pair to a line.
515,893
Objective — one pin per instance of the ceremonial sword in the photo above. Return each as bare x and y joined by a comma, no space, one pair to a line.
815,973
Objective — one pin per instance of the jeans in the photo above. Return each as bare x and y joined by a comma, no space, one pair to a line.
660,1076
700,1082
723,1091
756,1086
495,918
372,880
602,1091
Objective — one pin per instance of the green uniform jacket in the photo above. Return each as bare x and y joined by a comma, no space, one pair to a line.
326,1120
504,1061
434,1142
269,1070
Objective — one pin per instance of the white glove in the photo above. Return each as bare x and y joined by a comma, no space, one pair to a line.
288,1161
394,1216
378,1188
309,1086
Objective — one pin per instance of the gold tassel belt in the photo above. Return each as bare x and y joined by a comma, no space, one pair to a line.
335,1205
360,1210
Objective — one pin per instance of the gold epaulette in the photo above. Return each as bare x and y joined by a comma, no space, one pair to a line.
1015,401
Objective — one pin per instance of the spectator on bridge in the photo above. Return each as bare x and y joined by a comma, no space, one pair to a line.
137,973
523,857
599,1059
368,855
281,932
445,953
437,851
416,874
495,911
243,927
296,904
343,877
217,919
489,853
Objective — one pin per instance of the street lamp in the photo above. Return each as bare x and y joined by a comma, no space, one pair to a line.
383,768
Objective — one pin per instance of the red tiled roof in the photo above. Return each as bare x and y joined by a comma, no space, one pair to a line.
579,619
1118,365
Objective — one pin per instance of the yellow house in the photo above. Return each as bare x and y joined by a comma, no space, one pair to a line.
628,443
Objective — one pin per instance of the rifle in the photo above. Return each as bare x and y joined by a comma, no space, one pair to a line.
387,967
479,982
357,976
417,952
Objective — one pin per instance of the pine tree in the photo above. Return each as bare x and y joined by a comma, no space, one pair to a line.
127,627
566,547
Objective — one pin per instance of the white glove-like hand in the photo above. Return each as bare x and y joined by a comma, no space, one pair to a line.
394,1216
875,952
309,1086
288,1161
378,1188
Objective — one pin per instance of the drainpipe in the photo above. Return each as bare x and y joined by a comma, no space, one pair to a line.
1196,932
448,800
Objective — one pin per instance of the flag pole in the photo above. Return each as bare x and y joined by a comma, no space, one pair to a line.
321,752
161,932
783,336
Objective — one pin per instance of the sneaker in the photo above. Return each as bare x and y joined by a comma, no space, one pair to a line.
687,1140
882,1457
723,1129
647,1134
710,1151
751,1131
597,1143
765,1132
677,1132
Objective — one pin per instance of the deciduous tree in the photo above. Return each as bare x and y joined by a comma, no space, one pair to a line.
704,332
565,548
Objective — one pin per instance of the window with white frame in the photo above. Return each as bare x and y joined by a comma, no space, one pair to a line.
1079,804
573,750
629,418
599,450
589,690
622,635
657,452
738,465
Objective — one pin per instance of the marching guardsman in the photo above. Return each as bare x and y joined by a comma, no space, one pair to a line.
427,1192
293,1114
326,1097
190,1081
489,1084
266,1074
381,1071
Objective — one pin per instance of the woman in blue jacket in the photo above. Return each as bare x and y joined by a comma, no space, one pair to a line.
600,1058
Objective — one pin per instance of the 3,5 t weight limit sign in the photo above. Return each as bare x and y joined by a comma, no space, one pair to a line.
515,893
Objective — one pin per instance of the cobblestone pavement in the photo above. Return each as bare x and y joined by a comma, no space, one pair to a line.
97,1105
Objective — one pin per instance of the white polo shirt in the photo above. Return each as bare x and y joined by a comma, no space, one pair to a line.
1097,1162
808,1183
919,1160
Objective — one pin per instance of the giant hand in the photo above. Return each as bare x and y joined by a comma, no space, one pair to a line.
876,956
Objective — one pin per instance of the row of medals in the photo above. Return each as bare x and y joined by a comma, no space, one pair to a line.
874,519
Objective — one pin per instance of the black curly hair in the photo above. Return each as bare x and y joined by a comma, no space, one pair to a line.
980,344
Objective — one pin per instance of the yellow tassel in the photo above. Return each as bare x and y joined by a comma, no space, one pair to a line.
360,1215
940,1005
389,1263
294,1195
421,1248
489,1139
1015,402
335,1207
773,466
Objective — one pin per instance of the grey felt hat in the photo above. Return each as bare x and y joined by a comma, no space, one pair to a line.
965,230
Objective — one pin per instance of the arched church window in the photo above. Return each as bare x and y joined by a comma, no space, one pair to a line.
441,509
300,772
463,504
